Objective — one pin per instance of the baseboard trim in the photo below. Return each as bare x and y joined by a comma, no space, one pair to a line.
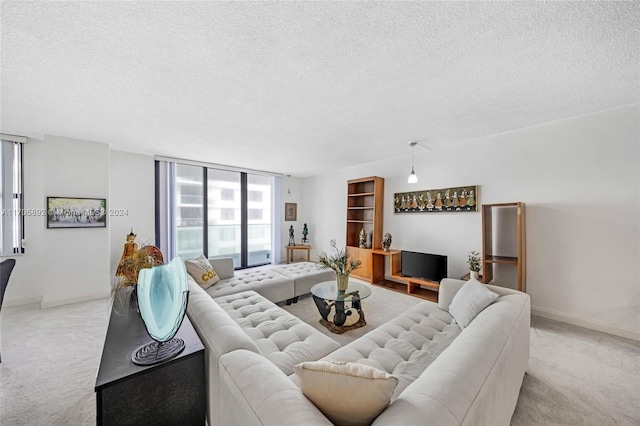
59,302
22,301
628,333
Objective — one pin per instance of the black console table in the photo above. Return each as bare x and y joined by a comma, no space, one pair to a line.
170,393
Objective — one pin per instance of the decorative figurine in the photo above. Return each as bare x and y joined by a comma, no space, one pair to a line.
130,248
471,201
429,201
363,239
291,240
438,203
305,232
386,241
463,198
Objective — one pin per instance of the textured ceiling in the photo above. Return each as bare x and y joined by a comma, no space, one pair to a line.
303,88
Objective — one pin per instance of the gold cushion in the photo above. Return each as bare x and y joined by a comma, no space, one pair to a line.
347,393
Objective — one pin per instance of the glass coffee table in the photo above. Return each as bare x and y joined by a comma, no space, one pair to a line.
327,296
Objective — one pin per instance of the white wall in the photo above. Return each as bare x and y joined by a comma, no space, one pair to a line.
28,278
73,265
132,198
580,181
69,265
291,192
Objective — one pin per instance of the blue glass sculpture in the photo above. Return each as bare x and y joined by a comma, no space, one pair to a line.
163,292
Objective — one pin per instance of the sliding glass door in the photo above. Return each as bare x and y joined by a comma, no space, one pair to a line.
218,213
259,221
188,211
225,214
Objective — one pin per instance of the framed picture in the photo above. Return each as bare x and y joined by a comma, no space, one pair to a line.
76,212
452,199
290,211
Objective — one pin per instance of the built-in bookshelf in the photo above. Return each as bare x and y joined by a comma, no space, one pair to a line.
364,211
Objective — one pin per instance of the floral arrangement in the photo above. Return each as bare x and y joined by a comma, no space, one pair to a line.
147,256
474,261
340,262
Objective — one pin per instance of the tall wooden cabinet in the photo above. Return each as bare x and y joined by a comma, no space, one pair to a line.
365,199
510,233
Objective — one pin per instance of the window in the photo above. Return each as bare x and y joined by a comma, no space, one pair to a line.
255,214
11,197
225,234
227,214
255,196
189,214
227,194
191,194
203,210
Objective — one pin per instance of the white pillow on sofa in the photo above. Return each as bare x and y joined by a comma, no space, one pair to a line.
469,301
202,271
346,392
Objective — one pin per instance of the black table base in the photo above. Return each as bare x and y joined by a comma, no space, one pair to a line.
340,316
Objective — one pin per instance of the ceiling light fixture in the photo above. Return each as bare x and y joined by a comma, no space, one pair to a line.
413,178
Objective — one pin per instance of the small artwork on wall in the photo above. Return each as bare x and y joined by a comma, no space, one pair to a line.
290,211
76,212
453,199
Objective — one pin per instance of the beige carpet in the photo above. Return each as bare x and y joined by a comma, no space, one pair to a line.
50,359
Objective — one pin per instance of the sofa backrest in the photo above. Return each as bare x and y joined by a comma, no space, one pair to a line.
477,379
223,267
449,287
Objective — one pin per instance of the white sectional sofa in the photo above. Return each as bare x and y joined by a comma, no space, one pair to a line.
248,321
446,376
277,284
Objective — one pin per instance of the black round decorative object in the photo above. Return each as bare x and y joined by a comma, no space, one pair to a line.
157,352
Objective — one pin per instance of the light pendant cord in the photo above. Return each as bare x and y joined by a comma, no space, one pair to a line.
413,178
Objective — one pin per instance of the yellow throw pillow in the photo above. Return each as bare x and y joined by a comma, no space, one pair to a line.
202,271
346,392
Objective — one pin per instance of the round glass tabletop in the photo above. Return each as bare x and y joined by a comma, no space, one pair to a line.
328,290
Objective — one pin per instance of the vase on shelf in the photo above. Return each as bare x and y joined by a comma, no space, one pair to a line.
386,241
474,274
343,281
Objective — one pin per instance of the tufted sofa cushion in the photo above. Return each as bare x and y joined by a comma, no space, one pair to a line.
270,284
281,337
305,275
404,346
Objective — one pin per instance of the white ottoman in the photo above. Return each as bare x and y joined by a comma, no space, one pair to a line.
305,275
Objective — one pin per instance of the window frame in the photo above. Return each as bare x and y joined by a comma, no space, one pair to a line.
167,201
14,209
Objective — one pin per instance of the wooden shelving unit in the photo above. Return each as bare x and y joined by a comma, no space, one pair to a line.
407,285
365,199
364,210
489,257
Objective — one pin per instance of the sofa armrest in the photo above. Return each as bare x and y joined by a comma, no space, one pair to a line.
223,267
256,392
448,289
219,334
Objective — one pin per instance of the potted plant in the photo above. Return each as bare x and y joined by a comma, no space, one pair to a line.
341,263
474,261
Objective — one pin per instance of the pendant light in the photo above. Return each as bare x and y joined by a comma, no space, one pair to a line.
413,178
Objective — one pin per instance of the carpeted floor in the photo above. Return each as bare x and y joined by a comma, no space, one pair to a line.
50,359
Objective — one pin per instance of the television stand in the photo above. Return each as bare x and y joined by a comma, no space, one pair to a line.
424,289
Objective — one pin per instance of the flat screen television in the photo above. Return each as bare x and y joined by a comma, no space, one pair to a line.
432,267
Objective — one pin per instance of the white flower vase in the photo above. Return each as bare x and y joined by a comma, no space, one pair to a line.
474,274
